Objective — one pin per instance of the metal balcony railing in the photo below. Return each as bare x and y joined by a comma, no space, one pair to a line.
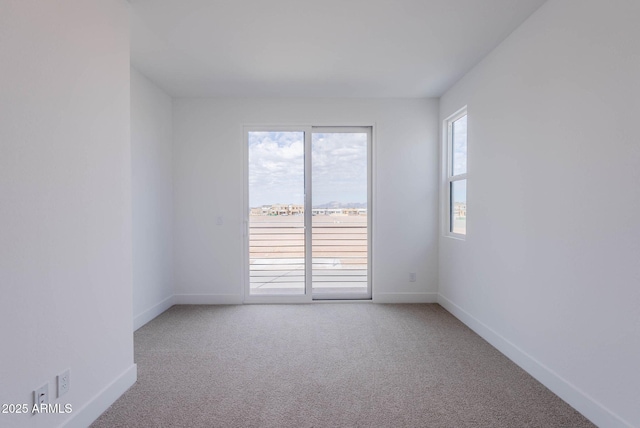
276,254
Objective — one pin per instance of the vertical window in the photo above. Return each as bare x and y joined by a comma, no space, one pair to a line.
456,183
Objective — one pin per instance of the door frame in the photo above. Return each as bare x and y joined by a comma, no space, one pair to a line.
307,130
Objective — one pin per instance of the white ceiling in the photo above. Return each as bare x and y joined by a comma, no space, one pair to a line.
316,48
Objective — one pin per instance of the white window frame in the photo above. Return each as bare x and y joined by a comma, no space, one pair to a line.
308,130
449,178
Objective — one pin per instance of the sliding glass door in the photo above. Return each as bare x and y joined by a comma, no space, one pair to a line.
340,220
308,207
276,216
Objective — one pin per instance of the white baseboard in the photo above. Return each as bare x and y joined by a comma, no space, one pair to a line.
429,297
578,399
146,316
91,411
238,299
207,299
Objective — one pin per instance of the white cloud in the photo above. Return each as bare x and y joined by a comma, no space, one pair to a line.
460,146
276,167
339,167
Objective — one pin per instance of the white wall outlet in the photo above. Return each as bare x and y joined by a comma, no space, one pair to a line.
63,382
219,220
41,395
412,277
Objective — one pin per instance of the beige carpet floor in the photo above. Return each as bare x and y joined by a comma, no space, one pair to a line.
327,365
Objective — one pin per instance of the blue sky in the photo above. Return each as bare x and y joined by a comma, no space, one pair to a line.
459,158
460,146
339,167
276,168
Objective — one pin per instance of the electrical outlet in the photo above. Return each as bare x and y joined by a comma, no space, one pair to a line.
41,395
63,382
219,220
412,277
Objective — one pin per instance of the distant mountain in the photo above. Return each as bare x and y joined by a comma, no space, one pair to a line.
336,204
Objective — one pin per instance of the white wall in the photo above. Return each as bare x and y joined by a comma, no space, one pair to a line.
152,202
208,180
550,269
65,211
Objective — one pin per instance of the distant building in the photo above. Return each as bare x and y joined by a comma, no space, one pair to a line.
298,209
279,209
460,210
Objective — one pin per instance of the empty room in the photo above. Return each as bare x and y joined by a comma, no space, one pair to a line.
340,213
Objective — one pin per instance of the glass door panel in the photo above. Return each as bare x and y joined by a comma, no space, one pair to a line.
276,213
340,220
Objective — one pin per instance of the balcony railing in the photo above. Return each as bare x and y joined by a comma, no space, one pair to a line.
339,254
